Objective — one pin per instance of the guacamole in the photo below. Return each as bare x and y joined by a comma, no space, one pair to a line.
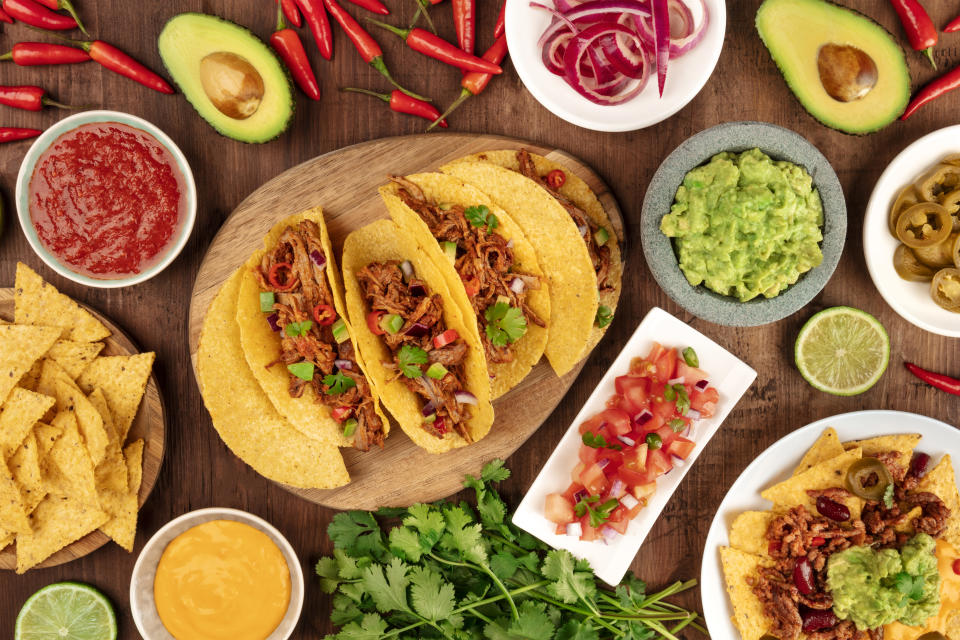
745,225
874,588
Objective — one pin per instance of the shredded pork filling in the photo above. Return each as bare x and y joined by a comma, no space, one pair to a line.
306,287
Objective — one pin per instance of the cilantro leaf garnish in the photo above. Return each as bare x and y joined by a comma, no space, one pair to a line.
505,324
298,329
598,441
683,400
337,383
409,360
604,316
909,585
480,216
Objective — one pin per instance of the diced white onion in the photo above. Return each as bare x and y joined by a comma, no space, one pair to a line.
693,414
407,267
518,285
679,380
627,440
629,501
609,533
574,529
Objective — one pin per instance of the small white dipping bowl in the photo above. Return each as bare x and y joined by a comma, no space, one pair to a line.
142,605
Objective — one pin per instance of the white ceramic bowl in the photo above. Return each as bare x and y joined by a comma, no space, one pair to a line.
142,606
686,75
43,142
910,299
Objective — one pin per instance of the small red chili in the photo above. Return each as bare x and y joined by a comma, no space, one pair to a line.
464,17
67,6
953,25
5,17
936,380
918,25
119,62
402,103
556,178
290,10
475,82
36,15
286,42
436,47
373,322
28,97
324,314
282,270
500,28
28,54
374,6
316,18
936,88
12,134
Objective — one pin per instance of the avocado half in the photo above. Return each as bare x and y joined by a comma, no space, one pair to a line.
795,30
189,38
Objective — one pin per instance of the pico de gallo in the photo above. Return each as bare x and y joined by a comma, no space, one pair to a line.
632,442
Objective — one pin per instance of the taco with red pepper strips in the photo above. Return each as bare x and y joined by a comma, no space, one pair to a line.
298,341
576,244
488,264
424,357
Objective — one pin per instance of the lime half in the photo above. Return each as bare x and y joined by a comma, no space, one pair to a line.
842,351
66,611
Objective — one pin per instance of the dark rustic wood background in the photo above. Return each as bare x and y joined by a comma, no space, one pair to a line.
199,471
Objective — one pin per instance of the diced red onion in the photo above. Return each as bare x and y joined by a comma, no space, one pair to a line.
318,258
417,330
693,414
518,285
417,290
643,417
603,462
465,397
677,380
429,409
575,529
346,365
580,495
701,385
629,501
627,440
608,533
272,319
616,489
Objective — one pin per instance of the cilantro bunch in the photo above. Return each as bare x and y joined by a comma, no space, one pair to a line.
460,572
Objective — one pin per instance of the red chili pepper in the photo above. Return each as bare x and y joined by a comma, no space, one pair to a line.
324,314
556,179
439,49
818,541
290,10
501,26
918,25
374,6
12,134
67,6
36,15
5,17
402,103
287,43
276,271
29,54
475,82
119,62
28,97
936,88
341,413
316,17
936,380
464,16
368,48
423,9
373,322
953,25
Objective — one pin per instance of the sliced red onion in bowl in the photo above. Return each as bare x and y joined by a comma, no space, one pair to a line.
272,320
346,365
701,385
575,529
318,258
465,397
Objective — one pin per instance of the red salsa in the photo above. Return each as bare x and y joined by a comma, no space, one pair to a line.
107,199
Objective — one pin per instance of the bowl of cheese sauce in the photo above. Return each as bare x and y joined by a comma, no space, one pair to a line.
217,574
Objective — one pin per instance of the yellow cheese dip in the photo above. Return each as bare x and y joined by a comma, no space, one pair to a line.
222,580
948,620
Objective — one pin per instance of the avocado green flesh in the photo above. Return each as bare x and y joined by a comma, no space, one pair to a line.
795,30
188,38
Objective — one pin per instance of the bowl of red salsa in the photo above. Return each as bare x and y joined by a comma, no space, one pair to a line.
106,199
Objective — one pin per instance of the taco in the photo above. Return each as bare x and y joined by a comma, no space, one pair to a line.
489,266
576,243
298,341
424,357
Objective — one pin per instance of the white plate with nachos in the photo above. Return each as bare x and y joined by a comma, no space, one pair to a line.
737,543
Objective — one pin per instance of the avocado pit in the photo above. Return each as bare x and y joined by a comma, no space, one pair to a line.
847,73
233,85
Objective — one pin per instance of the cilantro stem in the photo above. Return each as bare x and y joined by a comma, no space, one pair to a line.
506,542
502,587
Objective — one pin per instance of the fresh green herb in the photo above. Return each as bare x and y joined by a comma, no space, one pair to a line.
654,441
448,571
349,427
409,360
391,323
266,301
690,357
604,316
303,370
683,400
298,329
480,216
339,329
598,441
910,586
669,393
599,514
437,371
505,324
677,425
888,496
450,250
601,236
337,383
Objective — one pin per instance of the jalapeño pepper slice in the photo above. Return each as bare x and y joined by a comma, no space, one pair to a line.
924,225
943,177
909,267
861,476
945,289
907,198
937,256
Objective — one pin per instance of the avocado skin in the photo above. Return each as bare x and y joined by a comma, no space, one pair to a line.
200,107
787,74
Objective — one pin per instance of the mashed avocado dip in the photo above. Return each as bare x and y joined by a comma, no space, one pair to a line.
745,225
875,588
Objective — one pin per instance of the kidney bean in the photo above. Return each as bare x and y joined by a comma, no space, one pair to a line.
918,467
956,566
816,620
833,510
803,576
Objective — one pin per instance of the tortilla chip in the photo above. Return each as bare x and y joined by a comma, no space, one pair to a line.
942,482
20,412
381,241
903,443
123,380
20,347
243,415
123,505
111,473
46,435
25,467
133,454
748,614
6,539
71,468
31,378
13,515
825,475
826,447
441,188
74,357
749,532
39,303
57,522
70,398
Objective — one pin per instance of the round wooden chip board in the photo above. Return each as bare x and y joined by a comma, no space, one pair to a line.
344,183
148,424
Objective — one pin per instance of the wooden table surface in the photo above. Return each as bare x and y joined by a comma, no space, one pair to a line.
199,471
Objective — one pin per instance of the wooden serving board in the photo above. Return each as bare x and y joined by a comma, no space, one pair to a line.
148,424
344,183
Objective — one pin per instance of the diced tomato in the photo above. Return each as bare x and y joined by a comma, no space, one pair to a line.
666,365
561,530
618,520
471,285
656,351
704,401
635,392
373,322
636,458
643,491
588,455
659,461
445,338
666,436
592,425
632,477
589,533
576,473
617,421
572,490
594,479
632,513
558,509
642,368
690,375
663,409
341,413
681,447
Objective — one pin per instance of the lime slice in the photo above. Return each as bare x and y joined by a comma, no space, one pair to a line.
842,351
66,611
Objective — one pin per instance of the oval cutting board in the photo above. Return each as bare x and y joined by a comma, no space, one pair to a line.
344,183
148,424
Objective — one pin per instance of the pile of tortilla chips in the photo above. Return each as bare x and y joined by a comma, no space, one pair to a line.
65,412
824,466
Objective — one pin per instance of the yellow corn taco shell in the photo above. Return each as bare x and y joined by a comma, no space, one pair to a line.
382,241
748,615
578,192
441,188
261,345
826,447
